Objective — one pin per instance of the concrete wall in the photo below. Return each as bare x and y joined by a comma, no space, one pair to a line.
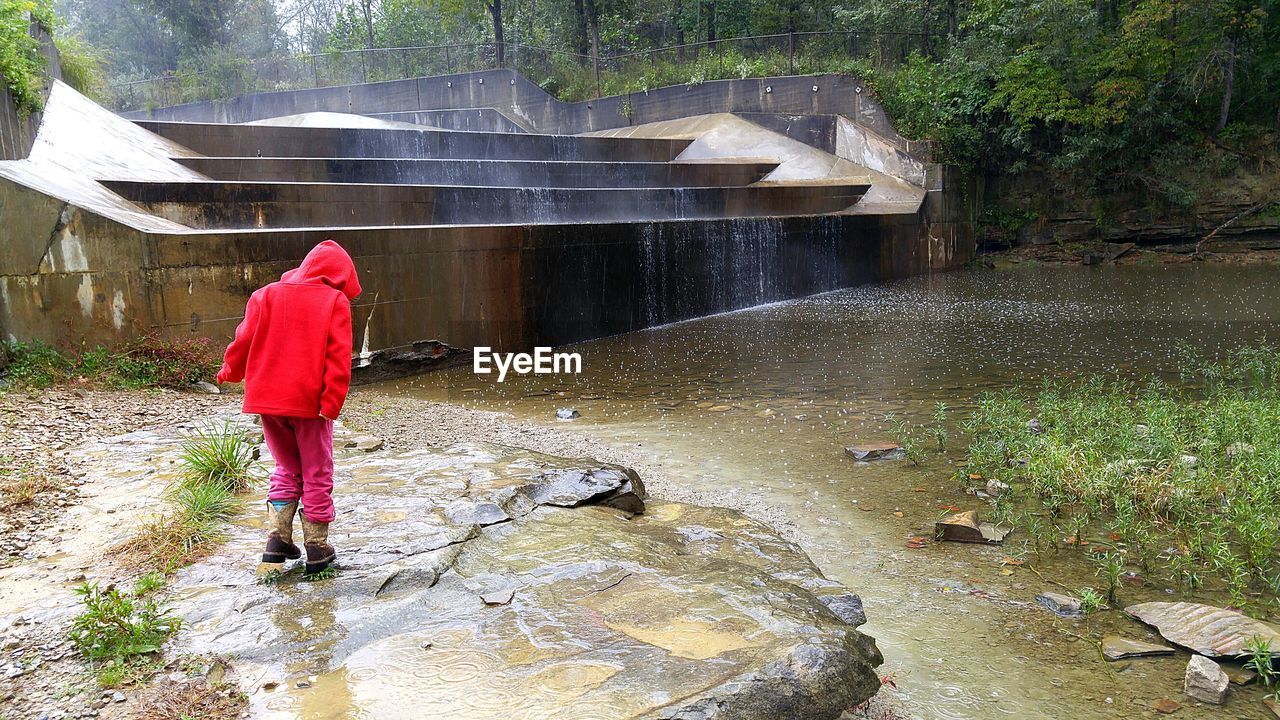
533,109
508,286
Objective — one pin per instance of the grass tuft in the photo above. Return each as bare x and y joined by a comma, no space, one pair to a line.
219,455
328,573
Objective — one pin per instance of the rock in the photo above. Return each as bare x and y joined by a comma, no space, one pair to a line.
567,414
498,597
117,697
677,590
1189,461
1205,681
1240,676
1165,706
1115,647
868,452
364,443
1207,630
1060,605
205,388
1273,705
1238,450
1034,426
1141,431
964,527
995,488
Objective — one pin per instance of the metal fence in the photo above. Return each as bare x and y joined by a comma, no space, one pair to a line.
568,75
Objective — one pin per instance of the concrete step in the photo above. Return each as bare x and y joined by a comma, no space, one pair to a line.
470,119
482,173
241,205
219,140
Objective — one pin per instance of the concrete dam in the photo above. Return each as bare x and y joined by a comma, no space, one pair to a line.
479,209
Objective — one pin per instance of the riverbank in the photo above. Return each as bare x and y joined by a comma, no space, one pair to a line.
43,430
1224,252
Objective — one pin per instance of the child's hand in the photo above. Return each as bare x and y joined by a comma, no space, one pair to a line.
322,415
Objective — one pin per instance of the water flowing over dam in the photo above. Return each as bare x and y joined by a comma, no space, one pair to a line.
540,223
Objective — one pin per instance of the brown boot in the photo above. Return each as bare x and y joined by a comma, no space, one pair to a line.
315,538
280,546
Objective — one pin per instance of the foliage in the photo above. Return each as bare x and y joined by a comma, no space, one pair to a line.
83,66
21,63
115,629
146,362
1262,661
219,455
1186,479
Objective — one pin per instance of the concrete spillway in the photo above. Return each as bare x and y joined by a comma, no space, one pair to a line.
496,234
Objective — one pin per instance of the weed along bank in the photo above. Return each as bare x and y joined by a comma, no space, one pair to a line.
697,361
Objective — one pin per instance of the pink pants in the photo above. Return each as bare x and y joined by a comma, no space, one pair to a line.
303,451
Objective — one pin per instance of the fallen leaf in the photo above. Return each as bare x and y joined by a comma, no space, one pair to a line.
920,490
975,476
1074,541
1006,571
949,508
897,513
1165,706
916,542
1114,537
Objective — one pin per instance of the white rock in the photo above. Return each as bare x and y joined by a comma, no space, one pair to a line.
1205,681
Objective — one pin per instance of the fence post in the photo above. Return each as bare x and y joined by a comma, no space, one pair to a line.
791,53
364,67
595,64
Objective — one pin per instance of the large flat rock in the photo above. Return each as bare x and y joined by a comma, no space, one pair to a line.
487,582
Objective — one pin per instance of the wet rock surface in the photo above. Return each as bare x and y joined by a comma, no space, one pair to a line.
1205,681
1205,629
479,578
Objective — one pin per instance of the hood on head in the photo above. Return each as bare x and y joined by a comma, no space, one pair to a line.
327,263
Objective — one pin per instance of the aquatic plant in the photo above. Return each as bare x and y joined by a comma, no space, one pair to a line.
1110,568
940,425
1090,600
115,629
1186,479
1262,661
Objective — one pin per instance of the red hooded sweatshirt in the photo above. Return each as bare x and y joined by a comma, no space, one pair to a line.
293,349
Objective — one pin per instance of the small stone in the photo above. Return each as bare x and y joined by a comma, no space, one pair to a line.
1240,676
868,452
117,697
995,488
1165,706
365,443
206,388
1237,450
270,685
567,414
1034,426
426,645
965,527
302,684
1059,604
1115,647
1205,681
1189,461
498,597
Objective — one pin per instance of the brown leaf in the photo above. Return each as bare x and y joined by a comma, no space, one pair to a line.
1165,706
1006,560
897,513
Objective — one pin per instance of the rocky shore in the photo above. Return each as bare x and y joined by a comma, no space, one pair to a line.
679,564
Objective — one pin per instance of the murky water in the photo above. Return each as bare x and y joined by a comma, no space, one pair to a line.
762,402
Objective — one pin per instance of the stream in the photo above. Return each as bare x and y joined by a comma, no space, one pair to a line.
760,403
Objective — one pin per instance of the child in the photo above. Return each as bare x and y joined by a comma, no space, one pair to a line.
293,350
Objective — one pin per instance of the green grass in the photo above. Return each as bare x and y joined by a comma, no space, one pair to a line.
218,464
1182,481
219,455
146,362
119,631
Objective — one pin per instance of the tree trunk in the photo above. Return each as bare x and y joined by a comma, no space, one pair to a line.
593,18
711,21
580,29
1224,113
367,7
675,20
495,10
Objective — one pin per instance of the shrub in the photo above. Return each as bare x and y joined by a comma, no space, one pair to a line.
21,63
150,361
